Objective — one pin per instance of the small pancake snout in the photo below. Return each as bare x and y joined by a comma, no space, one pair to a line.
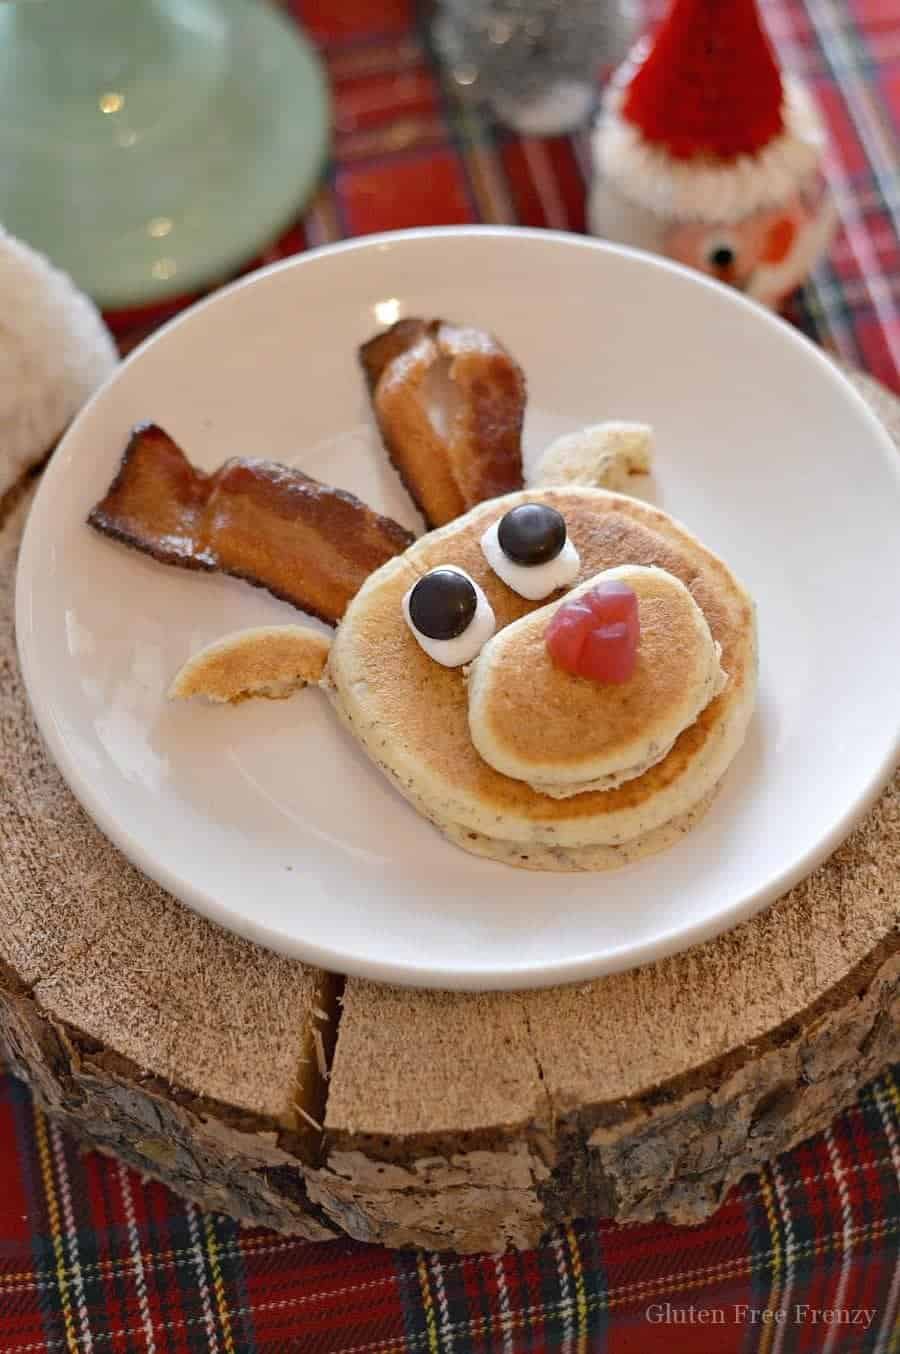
564,734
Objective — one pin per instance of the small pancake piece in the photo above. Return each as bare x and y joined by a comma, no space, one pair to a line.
604,456
269,661
563,734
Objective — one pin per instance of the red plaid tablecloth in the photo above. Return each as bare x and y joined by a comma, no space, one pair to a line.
803,1258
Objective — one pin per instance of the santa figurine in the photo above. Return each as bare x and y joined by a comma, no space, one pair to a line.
703,151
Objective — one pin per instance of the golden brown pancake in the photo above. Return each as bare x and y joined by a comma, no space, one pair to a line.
535,856
411,714
564,734
271,661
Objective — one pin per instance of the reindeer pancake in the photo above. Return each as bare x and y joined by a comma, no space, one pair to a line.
696,678
508,755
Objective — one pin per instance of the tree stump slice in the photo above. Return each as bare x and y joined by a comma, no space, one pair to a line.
274,1092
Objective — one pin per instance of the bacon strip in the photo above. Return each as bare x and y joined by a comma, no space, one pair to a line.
450,403
378,352
306,543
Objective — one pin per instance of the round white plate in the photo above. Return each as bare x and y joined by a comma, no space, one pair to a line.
267,817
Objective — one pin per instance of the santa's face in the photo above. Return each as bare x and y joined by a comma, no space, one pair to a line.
766,255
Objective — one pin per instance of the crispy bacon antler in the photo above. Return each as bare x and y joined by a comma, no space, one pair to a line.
450,402
309,544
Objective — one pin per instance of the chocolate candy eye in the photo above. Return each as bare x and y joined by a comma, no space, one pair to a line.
449,616
442,604
529,548
532,533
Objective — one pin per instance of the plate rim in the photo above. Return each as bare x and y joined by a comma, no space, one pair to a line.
523,976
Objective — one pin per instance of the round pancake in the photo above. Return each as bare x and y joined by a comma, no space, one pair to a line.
535,856
411,714
538,856
563,734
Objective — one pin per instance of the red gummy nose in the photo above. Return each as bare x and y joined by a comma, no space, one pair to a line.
596,635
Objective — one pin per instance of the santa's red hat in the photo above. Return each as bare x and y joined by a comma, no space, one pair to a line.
699,122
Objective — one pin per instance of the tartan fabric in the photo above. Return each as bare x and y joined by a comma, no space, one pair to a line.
93,1259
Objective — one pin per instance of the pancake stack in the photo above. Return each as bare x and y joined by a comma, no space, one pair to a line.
516,759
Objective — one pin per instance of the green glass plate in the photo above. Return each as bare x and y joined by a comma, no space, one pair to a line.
152,147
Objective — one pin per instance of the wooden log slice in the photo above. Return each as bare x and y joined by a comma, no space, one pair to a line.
458,1121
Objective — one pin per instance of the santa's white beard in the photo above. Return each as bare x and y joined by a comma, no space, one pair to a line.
613,217
772,283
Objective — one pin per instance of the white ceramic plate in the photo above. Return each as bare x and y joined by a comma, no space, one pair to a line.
268,818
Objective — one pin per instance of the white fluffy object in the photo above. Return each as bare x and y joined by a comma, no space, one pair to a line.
54,352
604,456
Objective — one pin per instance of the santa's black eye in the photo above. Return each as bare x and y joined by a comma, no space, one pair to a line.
442,604
532,533
721,255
